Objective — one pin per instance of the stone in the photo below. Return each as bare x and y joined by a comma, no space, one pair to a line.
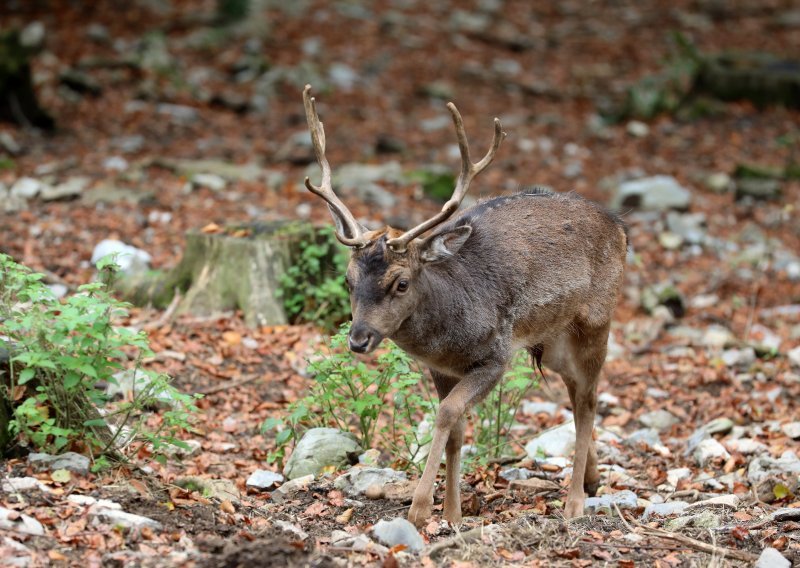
9,144
738,357
659,419
664,294
717,336
374,194
119,518
719,426
214,182
794,356
657,193
637,128
646,436
771,558
263,479
674,476
746,446
129,258
20,523
689,226
89,501
26,188
320,448
530,408
763,467
293,486
182,114
352,176
792,429
764,340
534,485
718,182
758,188
15,484
731,501
398,531
555,442
664,509
709,450
704,520
515,473
670,241
115,164
71,188
357,480
69,460
371,457
623,499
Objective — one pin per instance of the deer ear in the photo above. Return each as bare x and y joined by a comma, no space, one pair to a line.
444,245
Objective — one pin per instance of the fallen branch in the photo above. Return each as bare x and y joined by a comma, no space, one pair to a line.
462,538
229,385
700,545
168,314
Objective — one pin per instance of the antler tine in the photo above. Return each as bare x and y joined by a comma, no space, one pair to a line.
465,177
342,216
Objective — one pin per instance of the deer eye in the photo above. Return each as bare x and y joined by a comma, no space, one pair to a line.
402,285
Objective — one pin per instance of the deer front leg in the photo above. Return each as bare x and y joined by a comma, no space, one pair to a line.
452,498
449,421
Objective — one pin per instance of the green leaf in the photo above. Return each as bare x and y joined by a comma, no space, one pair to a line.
26,375
61,476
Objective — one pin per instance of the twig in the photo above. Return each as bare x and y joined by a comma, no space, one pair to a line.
462,538
699,544
166,317
623,519
228,385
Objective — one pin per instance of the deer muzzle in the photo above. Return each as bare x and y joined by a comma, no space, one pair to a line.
363,339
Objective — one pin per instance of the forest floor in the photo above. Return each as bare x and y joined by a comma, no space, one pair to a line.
383,72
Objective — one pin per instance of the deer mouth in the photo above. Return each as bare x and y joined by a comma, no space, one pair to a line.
364,341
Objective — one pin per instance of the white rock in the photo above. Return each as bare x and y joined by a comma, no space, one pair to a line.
291,528
69,460
746,446
320,448
659,419
263,479
771,558
26,188
129,258
717,336
792,429
676,475
653,193
556,442
115,164
637,128
73,187
794,356
293,486
738,357
708,450
21,524
213,182
731,501
623,499
763,466
664,509
357,479
530,408
14,484
398,531
119,518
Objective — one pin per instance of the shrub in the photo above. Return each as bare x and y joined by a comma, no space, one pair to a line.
313,288
63,353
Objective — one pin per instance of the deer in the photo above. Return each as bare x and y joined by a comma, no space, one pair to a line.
537,270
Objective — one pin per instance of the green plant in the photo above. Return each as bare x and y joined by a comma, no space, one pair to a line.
351,393
495,415
62,352
313,288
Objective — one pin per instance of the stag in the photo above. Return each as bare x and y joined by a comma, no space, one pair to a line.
535,270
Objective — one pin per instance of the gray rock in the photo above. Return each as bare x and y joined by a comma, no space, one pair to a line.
730,501
771,558
343,76
785,514
320,448
719,426
119,518
557,442
738,357
9,144
674,476
70,460
764,466
689,226
766,342
398,531
21,524
515,473
704,520
659,419
375,194
708,450
670,241
719,182
10,203
717,336
130,259
758,188
664,294
15,484
655,193
263,479
792,429
794,356
214,182
647,436
293,486
357,479
351,176
178,113
27,188
746,446
72,187
32,36
664,509
530,408
370,458
623,499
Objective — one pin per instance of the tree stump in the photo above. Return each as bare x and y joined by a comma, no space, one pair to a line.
18,101
236,269
761,78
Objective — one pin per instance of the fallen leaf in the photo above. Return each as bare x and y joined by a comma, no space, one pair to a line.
61,476
56,556
345,517
232,337
316,509
534,485
740,533
227,507
211,228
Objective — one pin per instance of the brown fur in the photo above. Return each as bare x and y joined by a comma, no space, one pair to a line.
534,270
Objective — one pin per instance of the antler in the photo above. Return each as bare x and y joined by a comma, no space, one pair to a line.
468,172
345,221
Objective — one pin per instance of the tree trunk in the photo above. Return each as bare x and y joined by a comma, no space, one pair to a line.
18,101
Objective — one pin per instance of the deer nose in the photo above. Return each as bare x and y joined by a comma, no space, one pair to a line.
359,340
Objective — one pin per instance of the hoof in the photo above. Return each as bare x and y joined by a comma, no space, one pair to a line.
418,515
574,508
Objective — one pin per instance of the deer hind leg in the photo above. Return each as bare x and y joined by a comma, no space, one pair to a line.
450,420
578,358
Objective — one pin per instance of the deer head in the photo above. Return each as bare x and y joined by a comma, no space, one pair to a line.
385,271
